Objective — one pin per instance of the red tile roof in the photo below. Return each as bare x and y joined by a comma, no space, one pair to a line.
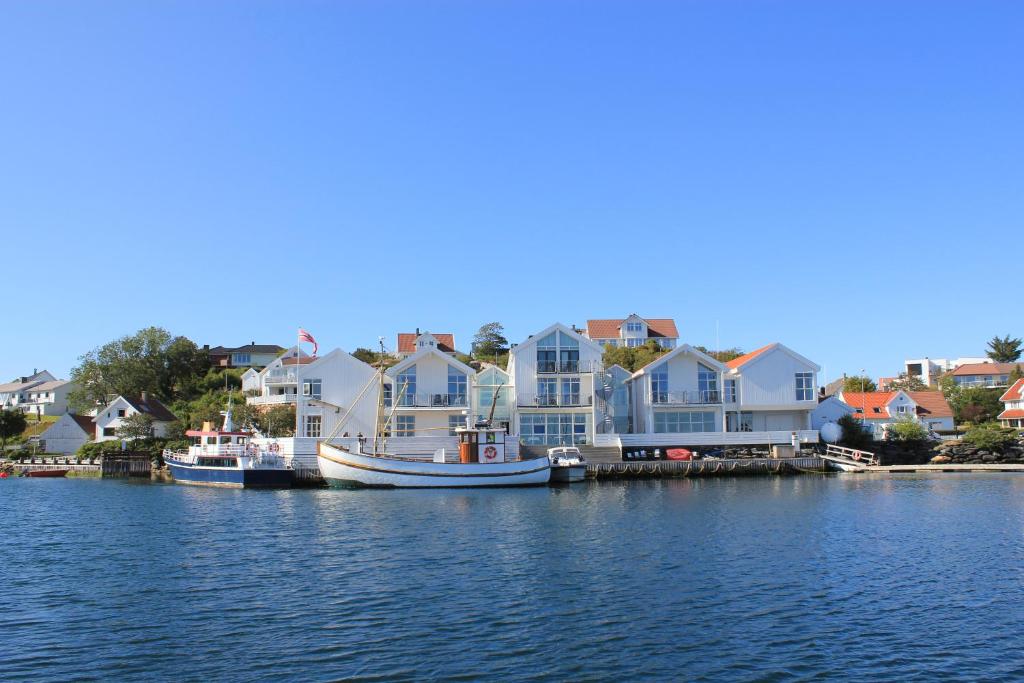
986,368
407,342
1014,393
931,403
608,328
747,357
304,360
868,402
1011,414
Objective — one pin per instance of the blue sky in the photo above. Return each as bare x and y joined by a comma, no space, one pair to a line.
844,177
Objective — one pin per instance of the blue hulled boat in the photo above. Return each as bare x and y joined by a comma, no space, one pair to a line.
225,457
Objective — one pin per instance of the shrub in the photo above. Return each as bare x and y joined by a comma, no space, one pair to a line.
990,436
854,434
906,429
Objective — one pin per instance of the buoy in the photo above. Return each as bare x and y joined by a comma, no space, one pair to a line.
3,475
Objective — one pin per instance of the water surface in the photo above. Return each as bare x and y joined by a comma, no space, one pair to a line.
802,577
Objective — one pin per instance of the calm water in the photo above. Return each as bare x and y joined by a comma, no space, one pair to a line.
729,579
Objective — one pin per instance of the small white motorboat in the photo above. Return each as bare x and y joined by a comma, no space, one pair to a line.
567,464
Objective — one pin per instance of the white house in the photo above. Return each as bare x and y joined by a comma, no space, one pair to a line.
878,409
409,343
430,392
772,388
828,410
48,398
68,434
251,356
553,375
985,374
111,416
680,392
632,331
16,392
928,370
1013,406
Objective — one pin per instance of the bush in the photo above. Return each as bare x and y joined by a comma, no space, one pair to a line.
854,435
990,436
906,429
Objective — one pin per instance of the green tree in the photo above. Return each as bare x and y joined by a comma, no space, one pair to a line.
135,427
1016,374
972,404
906,429
723,356
1004,350
12,424
854,433
632,358
858,383
149,360
374,358
990,437
908,383
489,341
278,421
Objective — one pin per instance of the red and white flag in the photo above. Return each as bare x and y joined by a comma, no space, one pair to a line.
307,337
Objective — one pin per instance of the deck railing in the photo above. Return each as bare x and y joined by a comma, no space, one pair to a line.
685,398
573,400
428,400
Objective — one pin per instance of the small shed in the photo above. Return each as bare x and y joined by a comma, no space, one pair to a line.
68,434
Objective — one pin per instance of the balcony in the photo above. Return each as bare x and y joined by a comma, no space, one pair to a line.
433,401
280,377
554,400
686,398
272,399
566,367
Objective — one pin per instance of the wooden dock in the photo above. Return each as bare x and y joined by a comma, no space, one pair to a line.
946,467
705,468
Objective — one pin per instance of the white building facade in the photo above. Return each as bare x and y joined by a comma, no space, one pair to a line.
110,417
428,393
632,331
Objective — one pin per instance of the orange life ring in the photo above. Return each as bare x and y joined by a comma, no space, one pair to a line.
274,448
490,452
856,456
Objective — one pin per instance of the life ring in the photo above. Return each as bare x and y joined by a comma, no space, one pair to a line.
490,453
274,448
856,456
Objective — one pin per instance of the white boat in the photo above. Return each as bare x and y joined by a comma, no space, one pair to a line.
567,464
480,461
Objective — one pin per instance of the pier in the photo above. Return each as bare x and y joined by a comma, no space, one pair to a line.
705,468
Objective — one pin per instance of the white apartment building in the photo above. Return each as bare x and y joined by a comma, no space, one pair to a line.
928,370
681,392
428,393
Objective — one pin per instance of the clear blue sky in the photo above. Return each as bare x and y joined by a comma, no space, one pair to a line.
233,170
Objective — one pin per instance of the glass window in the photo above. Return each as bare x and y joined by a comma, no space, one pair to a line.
456,387
407,386
108,431
455,422
634,342
804,386
659,384
120,413
405,425
311,387
242,359
387,395
730,391
707,383
313,426
634,327
553,429
547,391
684,422
739,422
571,391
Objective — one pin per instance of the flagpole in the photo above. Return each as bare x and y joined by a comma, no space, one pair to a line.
298,384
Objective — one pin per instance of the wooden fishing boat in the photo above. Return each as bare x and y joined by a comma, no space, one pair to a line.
482,460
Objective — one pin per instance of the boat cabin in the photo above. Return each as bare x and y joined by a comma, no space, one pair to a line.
481,444
209,441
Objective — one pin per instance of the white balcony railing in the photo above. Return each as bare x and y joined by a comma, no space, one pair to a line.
428,400
272,399
569,400
280,377
566,367
686,398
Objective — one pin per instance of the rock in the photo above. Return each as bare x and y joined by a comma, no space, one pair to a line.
988,457
939,459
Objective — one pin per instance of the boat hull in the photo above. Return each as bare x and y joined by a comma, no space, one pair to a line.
227,477
45,473
344,469
568,474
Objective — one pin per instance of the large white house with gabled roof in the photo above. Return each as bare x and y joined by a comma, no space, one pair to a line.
680,392
430,392
632,331
553,375
772,388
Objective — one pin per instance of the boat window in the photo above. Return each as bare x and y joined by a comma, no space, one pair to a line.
491,437
225,439
211,440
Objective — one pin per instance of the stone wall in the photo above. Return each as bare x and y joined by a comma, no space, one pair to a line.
955,452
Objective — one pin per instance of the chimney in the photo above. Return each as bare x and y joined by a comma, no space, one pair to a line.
206,347
145,395
252,343
417,331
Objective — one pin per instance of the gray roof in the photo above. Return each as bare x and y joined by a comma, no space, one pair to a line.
152,407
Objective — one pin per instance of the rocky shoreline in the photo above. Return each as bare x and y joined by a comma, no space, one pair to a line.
953,452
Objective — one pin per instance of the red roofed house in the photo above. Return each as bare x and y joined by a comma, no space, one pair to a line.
410,343
984,374
1013,403
633,331
880,408
772,388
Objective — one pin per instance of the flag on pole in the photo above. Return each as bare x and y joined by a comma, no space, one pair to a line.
307,337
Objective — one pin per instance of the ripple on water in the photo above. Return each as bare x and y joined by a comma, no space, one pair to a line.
731,579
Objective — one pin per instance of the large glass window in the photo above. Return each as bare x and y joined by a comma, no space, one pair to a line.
313,426
407,386
707,383
804,386
455,422
739,422
311,387
547,354
456,387
405,425
684,422
553,429
571,391
387,395
659,384
547,391
241,359
634,342
730,391
634,327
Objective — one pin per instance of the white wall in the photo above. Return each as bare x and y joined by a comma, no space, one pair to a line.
64,436
342,378
770,381
829,410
